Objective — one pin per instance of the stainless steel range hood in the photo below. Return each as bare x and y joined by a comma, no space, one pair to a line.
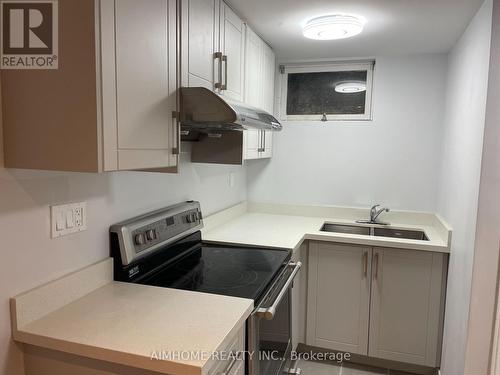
205,111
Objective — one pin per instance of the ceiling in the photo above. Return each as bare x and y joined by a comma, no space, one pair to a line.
392,26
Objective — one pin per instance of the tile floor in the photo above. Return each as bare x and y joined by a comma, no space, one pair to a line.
325,368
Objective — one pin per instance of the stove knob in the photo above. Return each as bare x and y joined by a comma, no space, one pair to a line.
194,217
151,234
139,239
188,219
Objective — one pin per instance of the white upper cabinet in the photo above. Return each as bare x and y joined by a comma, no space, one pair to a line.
253,69
200,42
221,53
212,48
268,75
251,146
232,39
110,104
259,92
146,79
259,72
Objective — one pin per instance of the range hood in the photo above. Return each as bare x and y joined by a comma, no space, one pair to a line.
202,110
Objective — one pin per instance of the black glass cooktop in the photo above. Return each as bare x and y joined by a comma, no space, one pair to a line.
232,271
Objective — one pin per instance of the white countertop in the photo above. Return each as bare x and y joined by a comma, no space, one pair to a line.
126,323
288,226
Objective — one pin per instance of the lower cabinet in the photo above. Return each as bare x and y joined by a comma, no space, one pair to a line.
228,360
339,297
380,302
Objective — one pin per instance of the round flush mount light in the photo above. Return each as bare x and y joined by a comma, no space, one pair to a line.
337,26
350,87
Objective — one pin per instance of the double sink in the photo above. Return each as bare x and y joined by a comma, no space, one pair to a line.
365,230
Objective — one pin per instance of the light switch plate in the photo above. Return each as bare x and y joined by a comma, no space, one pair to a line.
68,218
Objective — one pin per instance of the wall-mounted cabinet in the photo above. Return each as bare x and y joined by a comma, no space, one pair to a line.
258,84
212,48
259,92
109,105
232,46
200,43
377,302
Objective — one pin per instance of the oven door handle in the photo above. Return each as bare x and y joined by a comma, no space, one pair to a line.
268,312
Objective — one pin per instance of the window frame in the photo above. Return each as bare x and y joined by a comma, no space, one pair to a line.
343,66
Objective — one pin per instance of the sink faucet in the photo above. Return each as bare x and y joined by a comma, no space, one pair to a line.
375,212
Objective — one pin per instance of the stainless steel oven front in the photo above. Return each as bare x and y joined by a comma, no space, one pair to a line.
269,327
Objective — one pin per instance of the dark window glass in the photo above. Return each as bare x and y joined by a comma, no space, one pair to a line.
314,94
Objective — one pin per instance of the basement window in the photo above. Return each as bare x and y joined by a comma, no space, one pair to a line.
327,92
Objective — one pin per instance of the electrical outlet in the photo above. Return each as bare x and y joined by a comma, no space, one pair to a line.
68,218
78,214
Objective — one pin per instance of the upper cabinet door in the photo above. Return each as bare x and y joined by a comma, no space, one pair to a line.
233,49
253,68
268,76
251,144
146,83
406,305
199,43
259,72
266,150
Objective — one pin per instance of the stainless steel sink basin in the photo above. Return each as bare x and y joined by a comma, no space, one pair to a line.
375,231
400,233
344,228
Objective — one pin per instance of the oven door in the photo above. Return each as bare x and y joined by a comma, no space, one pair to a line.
270,327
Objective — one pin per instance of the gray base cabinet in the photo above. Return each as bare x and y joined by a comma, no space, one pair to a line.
380,302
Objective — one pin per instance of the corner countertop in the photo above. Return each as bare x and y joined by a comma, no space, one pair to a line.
126,323
285,226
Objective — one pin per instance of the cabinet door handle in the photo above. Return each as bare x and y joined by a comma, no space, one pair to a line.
224,85
177,150
218,84
176,122
376,266
365,263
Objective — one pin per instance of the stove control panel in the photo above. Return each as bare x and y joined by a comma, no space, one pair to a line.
149,232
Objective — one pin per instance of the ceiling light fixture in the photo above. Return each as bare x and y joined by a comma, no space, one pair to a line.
350,87
337,26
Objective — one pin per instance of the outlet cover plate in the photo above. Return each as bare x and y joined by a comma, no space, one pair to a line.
68,218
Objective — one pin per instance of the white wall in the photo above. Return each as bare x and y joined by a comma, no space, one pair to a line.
487,246
30,257
392,160
460,173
